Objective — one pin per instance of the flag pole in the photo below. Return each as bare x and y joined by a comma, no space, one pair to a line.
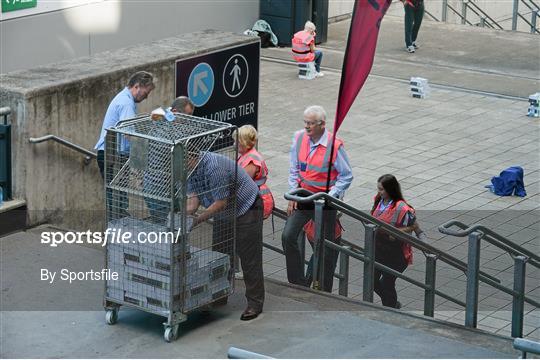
343,75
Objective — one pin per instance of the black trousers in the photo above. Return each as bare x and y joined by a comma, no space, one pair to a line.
388,253
413,20
249,231
118,202
294,261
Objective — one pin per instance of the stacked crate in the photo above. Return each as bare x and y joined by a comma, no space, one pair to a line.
534,105
146,278
419,87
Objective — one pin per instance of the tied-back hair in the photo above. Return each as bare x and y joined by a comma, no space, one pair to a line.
391,185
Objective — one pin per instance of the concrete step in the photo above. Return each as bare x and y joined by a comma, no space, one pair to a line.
12,216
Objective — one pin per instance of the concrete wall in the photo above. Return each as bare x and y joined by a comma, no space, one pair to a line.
337,8
85,30
69,99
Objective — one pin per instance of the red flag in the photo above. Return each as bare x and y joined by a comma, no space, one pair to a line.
359,54
358,59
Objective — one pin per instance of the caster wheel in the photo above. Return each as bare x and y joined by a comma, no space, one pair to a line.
171,333
111,316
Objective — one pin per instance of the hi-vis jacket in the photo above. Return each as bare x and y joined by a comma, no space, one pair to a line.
253,156
393,215
313,170
301,50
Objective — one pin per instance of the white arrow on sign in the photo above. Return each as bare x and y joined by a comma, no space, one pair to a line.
198,83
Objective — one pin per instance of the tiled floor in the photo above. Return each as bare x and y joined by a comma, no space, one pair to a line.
443,150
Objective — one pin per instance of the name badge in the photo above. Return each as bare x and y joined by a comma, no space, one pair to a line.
303,166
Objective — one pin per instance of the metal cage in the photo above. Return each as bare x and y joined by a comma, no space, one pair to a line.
164,266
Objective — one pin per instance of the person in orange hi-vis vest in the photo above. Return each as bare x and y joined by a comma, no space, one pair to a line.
390,206
309,161
253,163
303,47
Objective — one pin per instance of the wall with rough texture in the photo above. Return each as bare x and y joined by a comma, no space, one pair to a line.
88,29
69,99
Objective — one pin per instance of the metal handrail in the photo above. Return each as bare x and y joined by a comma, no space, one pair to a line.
89,155
470,3
431,15
472,268
507,245
459,14
237,353
533,28
526,346
366,218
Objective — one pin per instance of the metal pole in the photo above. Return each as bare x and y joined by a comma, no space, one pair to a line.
344,272
518,300
482,21
515,15
473,266
318,253
302,246
429,293
534,14
444,10
464,12
369,264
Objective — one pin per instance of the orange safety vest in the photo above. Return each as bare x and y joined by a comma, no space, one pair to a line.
393,215
253,156
313,171
301,50
309,230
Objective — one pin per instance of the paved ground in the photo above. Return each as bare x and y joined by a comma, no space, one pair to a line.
443,149
39,320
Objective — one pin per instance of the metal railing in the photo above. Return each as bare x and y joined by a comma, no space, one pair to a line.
349,250
521,257
89,155
485,20
526,346
237,353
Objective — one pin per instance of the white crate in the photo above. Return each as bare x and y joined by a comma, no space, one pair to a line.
307,70
418,82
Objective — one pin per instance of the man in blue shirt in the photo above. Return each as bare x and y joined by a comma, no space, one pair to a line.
212,185
309,147
122,107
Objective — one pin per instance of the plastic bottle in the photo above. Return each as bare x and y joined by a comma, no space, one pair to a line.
1,196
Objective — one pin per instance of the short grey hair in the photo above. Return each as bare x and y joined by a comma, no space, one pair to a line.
180,103
309,26
316,110
143,78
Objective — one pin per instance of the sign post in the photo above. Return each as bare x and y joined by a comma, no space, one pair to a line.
223,85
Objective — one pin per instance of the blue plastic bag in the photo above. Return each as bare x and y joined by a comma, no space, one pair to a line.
509,182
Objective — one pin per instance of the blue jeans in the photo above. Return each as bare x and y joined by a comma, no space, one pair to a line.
413,20
318,59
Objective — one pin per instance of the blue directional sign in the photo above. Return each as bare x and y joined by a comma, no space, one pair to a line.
201,84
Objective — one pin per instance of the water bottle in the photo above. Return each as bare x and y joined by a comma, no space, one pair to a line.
1,196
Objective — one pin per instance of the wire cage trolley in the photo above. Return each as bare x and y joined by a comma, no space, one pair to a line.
152,175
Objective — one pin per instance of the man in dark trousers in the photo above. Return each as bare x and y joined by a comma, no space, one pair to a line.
309,155
212,185
414,12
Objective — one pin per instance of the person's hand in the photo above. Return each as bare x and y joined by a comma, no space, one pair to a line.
291,207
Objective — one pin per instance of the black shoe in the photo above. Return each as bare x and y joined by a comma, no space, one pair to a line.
398,305
249,314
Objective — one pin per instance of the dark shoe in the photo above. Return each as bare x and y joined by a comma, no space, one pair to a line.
398,305
249,314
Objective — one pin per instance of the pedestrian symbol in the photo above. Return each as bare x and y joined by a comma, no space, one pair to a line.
201,84
235,75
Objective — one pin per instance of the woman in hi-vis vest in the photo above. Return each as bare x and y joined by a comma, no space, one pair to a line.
390,206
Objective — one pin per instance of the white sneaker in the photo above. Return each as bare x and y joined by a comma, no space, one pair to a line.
415,45
319,74
410,49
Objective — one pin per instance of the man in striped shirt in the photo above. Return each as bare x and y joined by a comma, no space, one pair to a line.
212,185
